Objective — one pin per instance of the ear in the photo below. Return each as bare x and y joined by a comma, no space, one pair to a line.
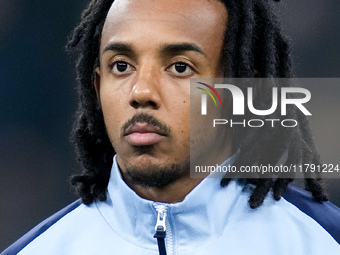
96,82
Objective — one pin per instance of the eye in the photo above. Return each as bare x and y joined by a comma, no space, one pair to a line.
181,69
121,67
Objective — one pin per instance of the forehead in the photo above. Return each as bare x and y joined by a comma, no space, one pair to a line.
202,20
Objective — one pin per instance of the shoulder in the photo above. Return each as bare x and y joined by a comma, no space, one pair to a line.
41,228
285,226
326,214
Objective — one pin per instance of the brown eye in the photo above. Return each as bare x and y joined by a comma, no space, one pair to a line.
181,67
121,67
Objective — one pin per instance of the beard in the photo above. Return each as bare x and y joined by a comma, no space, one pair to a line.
155,176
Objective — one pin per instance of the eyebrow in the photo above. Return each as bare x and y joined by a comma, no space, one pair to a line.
171,49
120,47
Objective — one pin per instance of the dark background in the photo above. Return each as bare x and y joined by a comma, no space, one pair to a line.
38,98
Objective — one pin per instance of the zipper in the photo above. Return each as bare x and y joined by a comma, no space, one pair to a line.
163,230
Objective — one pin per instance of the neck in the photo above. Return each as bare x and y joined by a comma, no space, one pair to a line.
172,193
177,190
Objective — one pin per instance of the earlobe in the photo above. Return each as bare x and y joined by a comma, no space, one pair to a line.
96,82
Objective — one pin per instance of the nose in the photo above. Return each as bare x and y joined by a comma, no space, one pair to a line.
145,92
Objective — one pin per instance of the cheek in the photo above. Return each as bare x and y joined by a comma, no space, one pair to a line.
180,122
184,130
113,114
203,136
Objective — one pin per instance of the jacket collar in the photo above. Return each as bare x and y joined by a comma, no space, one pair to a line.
202,215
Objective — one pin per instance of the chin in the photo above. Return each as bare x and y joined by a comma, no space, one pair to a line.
154,175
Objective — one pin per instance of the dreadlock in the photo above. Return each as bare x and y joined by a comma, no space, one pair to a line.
254,46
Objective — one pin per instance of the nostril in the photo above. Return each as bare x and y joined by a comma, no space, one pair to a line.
153,104
134,104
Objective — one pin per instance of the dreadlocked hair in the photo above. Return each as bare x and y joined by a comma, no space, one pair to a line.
254,46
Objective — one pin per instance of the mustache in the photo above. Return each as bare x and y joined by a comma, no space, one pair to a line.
148,119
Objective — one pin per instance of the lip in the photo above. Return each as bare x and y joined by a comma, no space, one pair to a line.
143,134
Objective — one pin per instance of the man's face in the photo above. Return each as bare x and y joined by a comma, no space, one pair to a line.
149,51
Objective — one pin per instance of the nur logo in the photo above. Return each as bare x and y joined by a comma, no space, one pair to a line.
239,99
204,97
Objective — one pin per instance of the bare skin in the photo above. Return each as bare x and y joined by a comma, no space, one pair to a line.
149,51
